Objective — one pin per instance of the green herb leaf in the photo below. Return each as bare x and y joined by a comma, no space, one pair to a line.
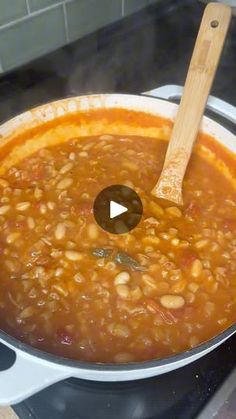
123,258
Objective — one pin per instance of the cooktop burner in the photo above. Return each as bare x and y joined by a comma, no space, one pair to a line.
151,49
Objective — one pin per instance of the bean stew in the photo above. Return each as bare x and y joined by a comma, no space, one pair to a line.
72,289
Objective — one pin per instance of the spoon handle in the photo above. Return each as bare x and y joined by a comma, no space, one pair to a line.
203,65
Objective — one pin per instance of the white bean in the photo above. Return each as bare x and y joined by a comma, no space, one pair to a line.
30,223
23,206
4,209
172,301
73,255
11,238
66,168
92,231
123,291
196,269
65,183
60,231
122,278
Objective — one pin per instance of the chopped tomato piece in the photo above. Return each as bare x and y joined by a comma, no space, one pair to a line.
85,209
229,224
187,259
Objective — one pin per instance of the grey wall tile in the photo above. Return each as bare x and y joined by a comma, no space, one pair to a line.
40,4
85,16
11,10
132,6
32,37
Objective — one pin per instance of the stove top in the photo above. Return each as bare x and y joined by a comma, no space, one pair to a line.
146,50
179,394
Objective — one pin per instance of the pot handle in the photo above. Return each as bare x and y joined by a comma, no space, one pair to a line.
27,376
172,91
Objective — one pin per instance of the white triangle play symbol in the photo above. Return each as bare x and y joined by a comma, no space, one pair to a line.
116,209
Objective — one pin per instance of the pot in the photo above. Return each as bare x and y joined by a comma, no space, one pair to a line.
33,369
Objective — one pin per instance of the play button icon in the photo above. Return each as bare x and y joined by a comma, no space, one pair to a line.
117,209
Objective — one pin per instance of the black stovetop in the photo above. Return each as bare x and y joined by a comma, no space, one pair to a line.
148,49
180,394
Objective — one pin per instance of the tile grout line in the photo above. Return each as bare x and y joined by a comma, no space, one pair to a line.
1,66
66,23
32,14
28,7
122,8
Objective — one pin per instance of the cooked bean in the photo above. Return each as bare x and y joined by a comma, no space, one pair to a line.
175,242
123,291
92,231
51,205
179,286
174,212
165,236
149,280
209,308
60,289
4,209
38,193
43,209
66,168
27,312
151,240
172,301
59,272
73,255
111,266
201,244
193,341
193,286
60,231
83,154
106,137
120,330
72,156
12,265
4,183
11,238
129,165
23,206
173,231
156,209
197,268
79,278
135,293
65,183
122,278
30,223
189,297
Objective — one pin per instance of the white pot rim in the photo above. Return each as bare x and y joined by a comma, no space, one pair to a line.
140,103
152,106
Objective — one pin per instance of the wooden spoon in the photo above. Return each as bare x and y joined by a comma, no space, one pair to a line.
203,65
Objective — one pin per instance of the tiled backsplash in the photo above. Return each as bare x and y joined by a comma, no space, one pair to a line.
32,28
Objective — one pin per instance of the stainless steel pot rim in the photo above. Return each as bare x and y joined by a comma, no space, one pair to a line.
14,343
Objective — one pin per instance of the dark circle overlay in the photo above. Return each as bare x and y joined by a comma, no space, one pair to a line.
122,195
